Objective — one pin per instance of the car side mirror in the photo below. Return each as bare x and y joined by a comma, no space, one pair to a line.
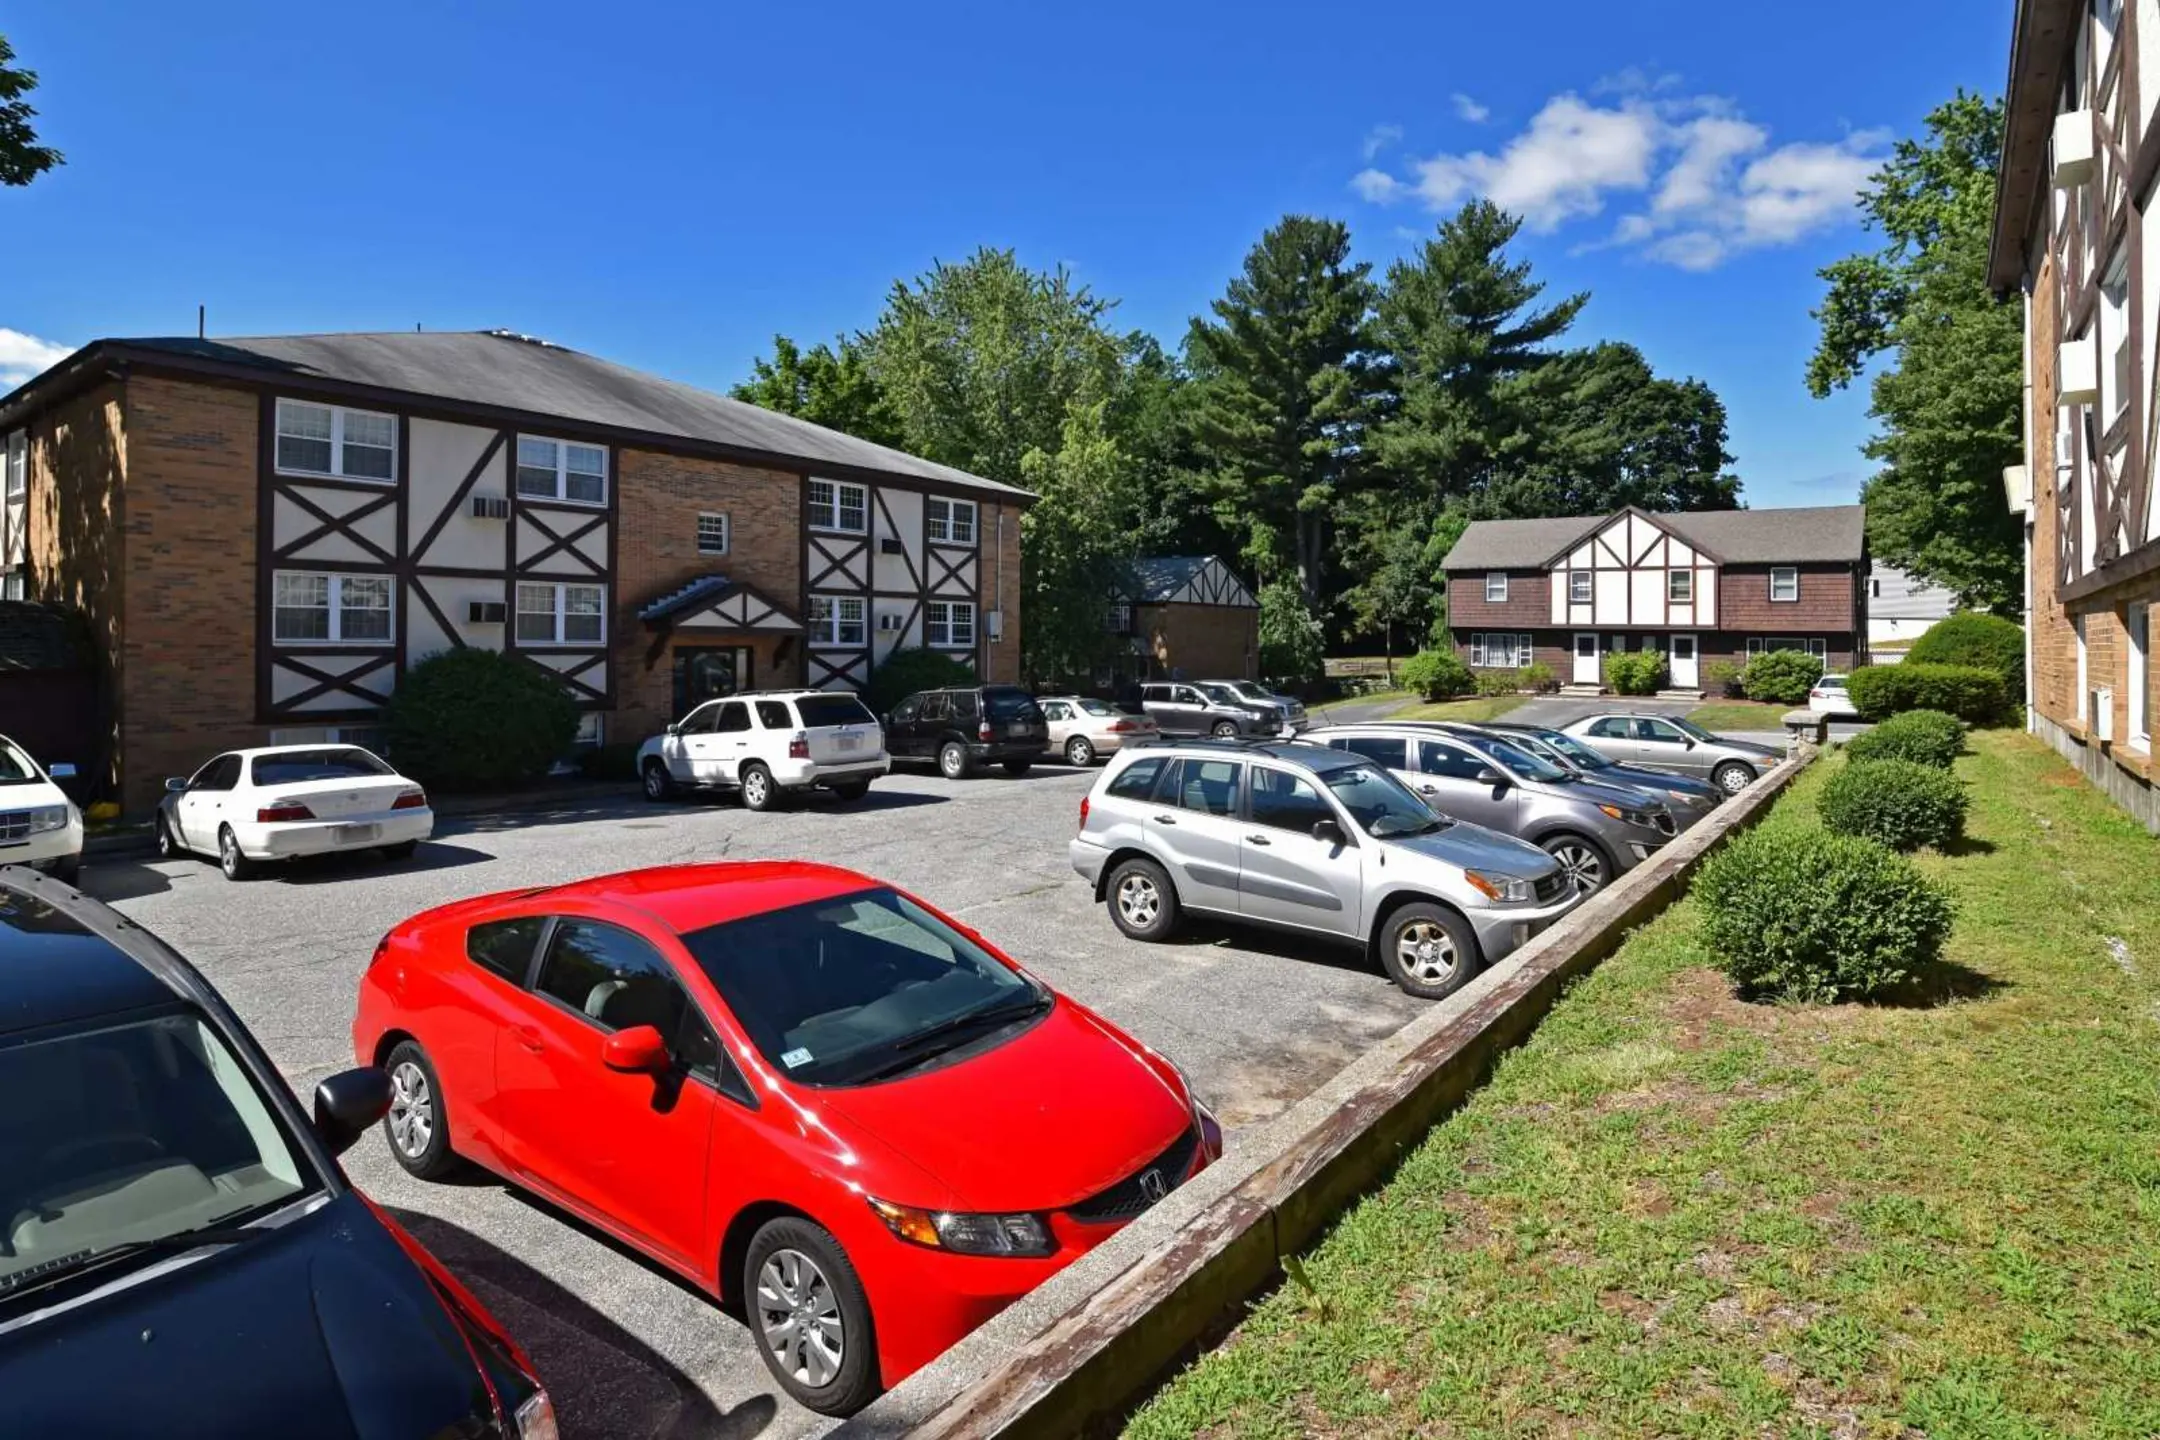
638,1049
174,785
674,727
1688,744
347,1103
1327,832
1490,776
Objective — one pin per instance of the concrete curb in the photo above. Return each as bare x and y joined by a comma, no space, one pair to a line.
1088,1344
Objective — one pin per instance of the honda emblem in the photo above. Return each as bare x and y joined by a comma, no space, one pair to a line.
1152,1187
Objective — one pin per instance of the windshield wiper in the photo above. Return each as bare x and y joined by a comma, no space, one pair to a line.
970,1019
61,1267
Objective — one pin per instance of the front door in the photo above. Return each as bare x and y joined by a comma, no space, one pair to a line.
1286,875
707,672
1686,675
1662,745
200,810
1448,781
1586,658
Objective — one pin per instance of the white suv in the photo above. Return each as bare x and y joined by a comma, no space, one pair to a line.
39,826
766,743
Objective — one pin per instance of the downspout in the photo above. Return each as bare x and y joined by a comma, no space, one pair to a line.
2025,525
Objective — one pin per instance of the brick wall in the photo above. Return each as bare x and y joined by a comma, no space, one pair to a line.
2053,639
1202,642
1001,591
1827,603
1529,601
77,469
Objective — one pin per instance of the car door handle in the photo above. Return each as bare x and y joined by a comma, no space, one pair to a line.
529,1037
1428,789
1256,839
1166,819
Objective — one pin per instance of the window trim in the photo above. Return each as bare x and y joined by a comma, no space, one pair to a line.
561,612
1588,587
2137,678
1481,649
336,637
953,509
835,525
951,608
1790,570
824,632
562,495
1319,793
727,532
1501,576
337,441
1677,578
15,456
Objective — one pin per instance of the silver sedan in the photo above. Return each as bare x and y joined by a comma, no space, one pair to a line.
1082,728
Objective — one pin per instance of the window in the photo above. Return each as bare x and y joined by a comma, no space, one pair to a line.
18,464
1499,651
560,470
1208,786
774,715
1658,732
1757,645
1680,587
367,737
591,730
1380,749
332,440
313,608
837,505
1578,587
2139,681
12,585
2077,625
950,623
732,718
961,705
296,767
1784,583
1495,588
1054,710
1117,620
1137,780
1449,762
505,947
1820,649
1609,727
611,977
1283,801
820,711
837,619
1874,589
950,521
712,533
561,614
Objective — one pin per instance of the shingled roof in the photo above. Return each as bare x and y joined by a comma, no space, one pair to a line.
1815,533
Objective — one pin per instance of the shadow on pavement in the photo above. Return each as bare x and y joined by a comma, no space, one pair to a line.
111,880
603,1379
1278,944
329,869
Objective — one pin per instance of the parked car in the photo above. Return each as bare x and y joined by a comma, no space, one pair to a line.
1180,707
1083,729
823,1102
768,745
1317,841
1667,742
249,807
1828,696
39,825
1597,832
1688,798
1289,707
183,1255
967,728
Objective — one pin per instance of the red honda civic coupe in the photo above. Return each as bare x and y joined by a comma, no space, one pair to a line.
842,1113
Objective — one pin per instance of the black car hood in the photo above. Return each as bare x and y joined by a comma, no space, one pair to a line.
324,1328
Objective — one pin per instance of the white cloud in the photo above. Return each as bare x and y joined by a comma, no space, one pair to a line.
1469,109
1377,187
22,356
1559,168
1379,138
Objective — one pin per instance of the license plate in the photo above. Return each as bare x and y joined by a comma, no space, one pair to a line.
355,834
848,742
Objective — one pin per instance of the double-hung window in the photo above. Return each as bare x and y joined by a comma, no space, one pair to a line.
1784,583
712,533
837,619
951,522
18,465
1680,587
1499,651
561,470
336,441
950,624
310,607
1578,587
2139,682
1496,588
549,614
839,505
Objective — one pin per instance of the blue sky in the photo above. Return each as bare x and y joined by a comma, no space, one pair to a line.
670,185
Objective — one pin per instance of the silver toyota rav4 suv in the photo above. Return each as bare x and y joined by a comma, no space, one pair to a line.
1316,841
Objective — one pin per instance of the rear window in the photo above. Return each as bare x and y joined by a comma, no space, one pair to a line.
773,715
295,766
505,946
1006,704
1137,780
820,710
1100,707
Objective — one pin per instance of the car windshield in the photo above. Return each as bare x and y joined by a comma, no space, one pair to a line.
1517,759
294,766
1695,730
1099,707
1009,704
1576,753
15,767
1247,689
1221,694
859,988
1832,682
1383,806
140,1131
822,710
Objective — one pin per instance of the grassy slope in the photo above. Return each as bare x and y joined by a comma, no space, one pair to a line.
1477,707
1674,1213
1741,715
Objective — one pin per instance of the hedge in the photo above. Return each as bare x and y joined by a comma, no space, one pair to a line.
1436,675
1924,737
1987,642
1781,677
477,719
907,671
1971,693
1902,803
1635,672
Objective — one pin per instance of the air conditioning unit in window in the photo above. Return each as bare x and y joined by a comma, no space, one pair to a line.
486,612
890,545
491,507
888,622
2077,374
994,624
2073,148
2100,709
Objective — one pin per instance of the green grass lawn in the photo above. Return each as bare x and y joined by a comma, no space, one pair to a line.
1477,707
1741,715
1674,1213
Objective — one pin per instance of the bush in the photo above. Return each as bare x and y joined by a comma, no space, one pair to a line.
1436,675
1495,682
1291,643
1902,803
1722,677
1973,694
1923,737
1537,677
1635,672
907,671
1986,642
474,719
1801,914
1781,677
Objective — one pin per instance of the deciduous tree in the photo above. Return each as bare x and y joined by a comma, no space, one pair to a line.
22,158
828,385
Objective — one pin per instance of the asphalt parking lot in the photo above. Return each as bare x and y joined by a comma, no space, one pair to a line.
626,1349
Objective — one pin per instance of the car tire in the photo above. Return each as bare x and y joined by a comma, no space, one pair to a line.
417,1129
759,790
1225,730
403,850
1732,777
168,845
853,790
1143,902
1428,951
1079,753
796,1272
1017,767
1586,862
656,782
952,760
236,865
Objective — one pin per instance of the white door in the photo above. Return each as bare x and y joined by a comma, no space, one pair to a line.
1685,674
1586,661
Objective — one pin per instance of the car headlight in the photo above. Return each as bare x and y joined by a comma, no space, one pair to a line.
966,1234
49,817
1633,817
1501,889
536,1418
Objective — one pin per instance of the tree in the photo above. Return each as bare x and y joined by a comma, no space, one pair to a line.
1948,402
22,159
1282,393
1074,541
1292,646
828,385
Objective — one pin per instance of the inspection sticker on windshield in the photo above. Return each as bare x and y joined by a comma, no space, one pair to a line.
796,1059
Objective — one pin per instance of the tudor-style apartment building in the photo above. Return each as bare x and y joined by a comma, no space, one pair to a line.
1698,587
263,533
2079,162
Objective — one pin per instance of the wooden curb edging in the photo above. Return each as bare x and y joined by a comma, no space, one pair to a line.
1083,1349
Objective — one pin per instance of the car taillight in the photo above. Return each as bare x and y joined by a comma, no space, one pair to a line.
798,746
983,731
283,810
1120,727
1083,811
410,800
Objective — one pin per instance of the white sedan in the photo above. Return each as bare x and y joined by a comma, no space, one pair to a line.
251,806
1830,697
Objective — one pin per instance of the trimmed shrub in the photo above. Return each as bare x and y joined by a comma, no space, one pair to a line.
907,671
1973,694
1436,675
1781,677
1902,803
1797,913
1496,682
1923,737
1537,677
1987,642
475,719
1722,677
1635,672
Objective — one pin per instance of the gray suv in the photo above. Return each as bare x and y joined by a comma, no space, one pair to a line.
1252,692
1316,841
1688,798
1180,707
1596,831
1667,742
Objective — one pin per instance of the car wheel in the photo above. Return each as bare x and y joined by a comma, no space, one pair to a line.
1428,951
1079,753
168,848
810,1316
853,790
1143,902
415,1126
658,784
1585,862
1225,730
759,790
235,865
1017,767
952,760
403,850
1732,777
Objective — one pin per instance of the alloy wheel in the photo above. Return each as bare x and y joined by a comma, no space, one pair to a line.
412,1110
1426,952
228,849
1583,865
655,783
753,789
1138,901
953,761
800,1317
1079,752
